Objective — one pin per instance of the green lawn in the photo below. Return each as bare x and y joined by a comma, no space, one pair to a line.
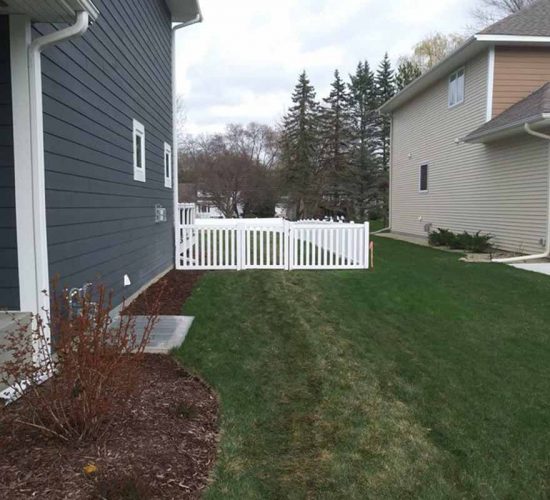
425,378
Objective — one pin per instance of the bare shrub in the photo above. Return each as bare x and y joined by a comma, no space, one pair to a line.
93,365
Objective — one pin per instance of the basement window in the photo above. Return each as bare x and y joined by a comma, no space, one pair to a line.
423,178
456,88
139,151
167,165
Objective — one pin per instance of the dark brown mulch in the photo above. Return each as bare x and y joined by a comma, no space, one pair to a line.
163,448
176,287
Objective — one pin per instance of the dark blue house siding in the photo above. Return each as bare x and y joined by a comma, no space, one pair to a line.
9,281
101,223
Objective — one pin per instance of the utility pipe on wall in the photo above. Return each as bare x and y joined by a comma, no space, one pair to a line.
546,253
37,152
175,154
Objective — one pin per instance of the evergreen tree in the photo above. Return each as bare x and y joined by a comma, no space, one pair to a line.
364,118
385,90
300,149
335,137
407,72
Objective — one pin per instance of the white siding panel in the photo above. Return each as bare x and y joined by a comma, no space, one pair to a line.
499,188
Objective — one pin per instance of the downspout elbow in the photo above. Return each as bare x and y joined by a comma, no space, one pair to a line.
77,29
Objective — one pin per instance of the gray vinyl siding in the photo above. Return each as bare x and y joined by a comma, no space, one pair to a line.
101,223
499,188
9,280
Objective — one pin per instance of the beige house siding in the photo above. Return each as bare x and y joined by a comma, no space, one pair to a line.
500,188
518,72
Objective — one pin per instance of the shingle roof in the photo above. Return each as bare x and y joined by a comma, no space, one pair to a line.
531,21
528,110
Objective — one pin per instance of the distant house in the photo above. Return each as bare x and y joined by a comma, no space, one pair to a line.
465,149
206,209
86,136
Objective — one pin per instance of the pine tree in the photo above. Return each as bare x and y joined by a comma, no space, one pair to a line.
385,90
336,138
364,117
299,148
407,72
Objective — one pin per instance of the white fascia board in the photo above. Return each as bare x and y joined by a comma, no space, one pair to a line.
60,11
490,84
512,39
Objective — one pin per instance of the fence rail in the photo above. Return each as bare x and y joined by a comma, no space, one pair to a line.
270,244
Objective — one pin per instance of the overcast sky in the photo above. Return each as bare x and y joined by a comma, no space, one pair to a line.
242,62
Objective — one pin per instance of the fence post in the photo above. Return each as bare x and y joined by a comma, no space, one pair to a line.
289,244
367,245
239,234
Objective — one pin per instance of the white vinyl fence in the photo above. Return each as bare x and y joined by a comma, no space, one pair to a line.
271,244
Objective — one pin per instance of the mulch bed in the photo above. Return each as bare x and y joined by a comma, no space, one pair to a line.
176,287
162,448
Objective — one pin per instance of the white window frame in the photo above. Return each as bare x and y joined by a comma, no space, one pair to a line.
454,86
167,165
139,131
427,165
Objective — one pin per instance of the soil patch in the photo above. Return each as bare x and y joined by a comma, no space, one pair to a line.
175,286
162,447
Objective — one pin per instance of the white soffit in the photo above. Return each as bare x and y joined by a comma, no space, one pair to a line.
49,11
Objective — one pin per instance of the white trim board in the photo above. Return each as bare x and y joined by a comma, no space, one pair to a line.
20,39
490,83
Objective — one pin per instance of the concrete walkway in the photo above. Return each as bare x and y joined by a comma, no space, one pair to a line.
535,267
169,333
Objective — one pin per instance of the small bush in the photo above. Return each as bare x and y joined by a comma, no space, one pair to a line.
475,243
441,238
478,243
93,365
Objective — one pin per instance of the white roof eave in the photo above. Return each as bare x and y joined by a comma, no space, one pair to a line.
184,11
50,11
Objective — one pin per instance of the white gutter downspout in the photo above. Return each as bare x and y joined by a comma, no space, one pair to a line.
546,253
37,154
175,154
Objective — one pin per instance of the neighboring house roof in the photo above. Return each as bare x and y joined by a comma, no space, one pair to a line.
531,21
535,108
530,25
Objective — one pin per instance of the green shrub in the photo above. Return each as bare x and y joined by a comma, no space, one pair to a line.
478,243
475,243
441,238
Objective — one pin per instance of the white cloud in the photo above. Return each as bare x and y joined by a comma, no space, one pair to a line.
242,62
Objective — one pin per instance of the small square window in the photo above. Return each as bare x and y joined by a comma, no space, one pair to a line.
167,165
456,88
424,178
139,151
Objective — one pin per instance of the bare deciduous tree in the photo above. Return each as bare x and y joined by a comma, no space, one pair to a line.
490,11
234,169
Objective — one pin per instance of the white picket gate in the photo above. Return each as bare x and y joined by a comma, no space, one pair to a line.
271,244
